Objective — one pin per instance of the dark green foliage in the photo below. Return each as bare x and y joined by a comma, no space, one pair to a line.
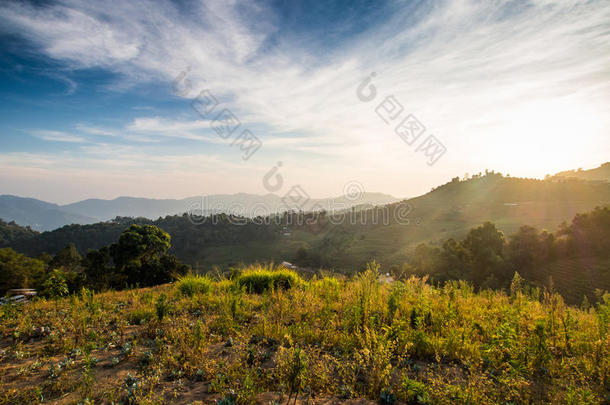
55,285
487,260
187,237
306,258
479,258
415,392
140,244
84,237
138,258
67,258
588,234
68,262
387,397
10,232
485,245
99,271
19,271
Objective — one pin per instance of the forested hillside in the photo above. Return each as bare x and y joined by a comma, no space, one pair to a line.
483,229
11,232
347,241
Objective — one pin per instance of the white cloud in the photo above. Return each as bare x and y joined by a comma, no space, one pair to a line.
96,130
471,71
57,136
198,130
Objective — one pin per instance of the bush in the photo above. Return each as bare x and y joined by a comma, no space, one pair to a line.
162,306
55,285
140,316
414,392
194,284
258,279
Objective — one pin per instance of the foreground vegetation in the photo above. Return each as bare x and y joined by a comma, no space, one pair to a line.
265,335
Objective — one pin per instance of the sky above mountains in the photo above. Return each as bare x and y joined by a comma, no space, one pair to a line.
144,98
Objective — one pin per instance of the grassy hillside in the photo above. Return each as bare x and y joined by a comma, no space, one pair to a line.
327,340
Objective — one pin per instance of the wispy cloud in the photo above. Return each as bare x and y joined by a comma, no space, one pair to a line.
489,52
57,136
71,85
96,130
489,78
187,129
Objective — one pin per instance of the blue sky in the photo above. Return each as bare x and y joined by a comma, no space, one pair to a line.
88,107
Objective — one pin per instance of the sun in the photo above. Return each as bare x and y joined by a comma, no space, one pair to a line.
543,136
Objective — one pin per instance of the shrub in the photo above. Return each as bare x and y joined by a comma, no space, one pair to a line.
55,285
162,306
258,280
194,284
414,392
139,316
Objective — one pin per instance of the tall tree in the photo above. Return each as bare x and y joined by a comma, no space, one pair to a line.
19,271
486,245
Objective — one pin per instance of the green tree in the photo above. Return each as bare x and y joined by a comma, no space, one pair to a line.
55,285
99,272
529,249
69,262
454,259
140,244
140,257
486,245
589,233
426,259
19,271
68,258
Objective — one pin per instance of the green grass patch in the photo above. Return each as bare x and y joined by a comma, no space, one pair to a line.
191,284
140,316
260,279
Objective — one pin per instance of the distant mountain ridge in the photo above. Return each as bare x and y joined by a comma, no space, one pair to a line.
37,214
43,216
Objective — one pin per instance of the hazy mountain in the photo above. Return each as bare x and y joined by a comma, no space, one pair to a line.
39,215
601,173
249,205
